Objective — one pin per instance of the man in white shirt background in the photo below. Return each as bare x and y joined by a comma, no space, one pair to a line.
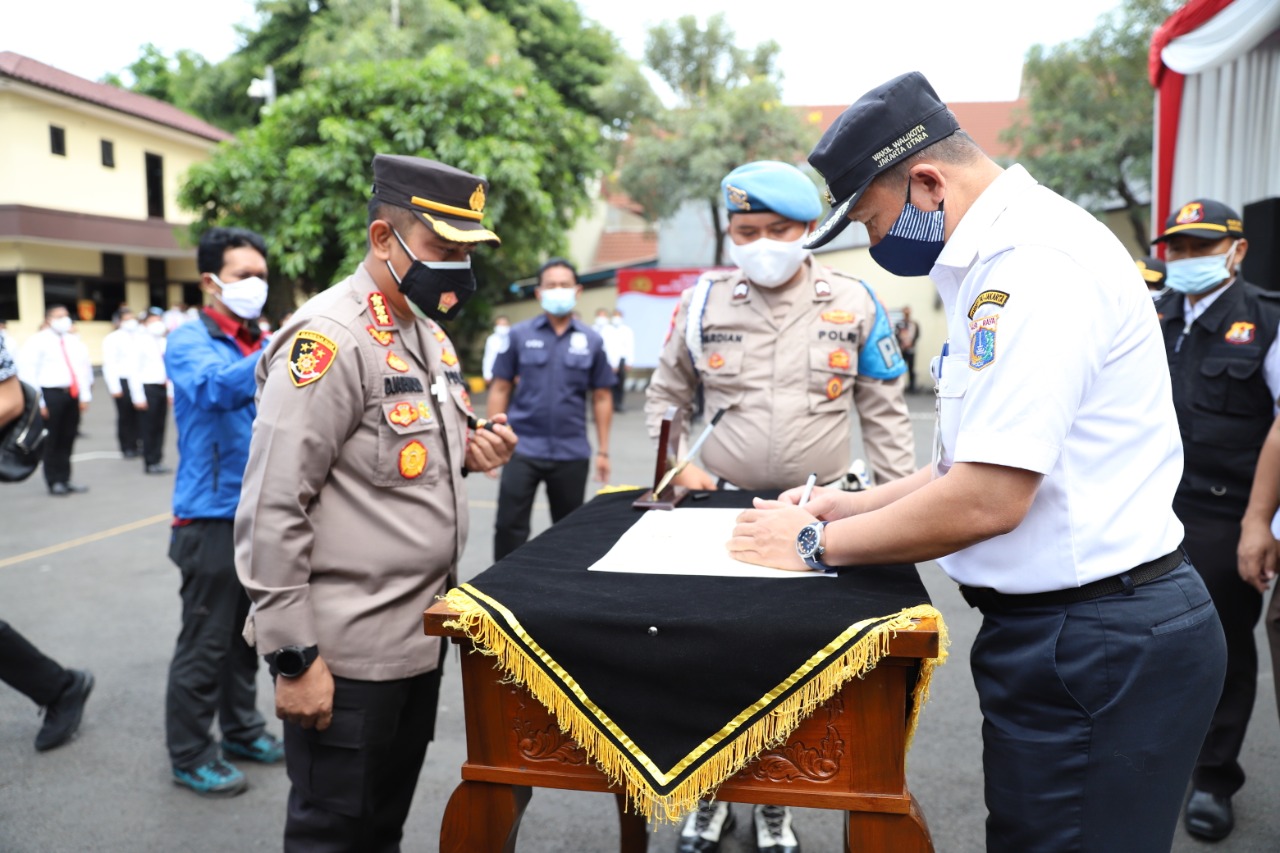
152,396
57,362
494,345
119,364
620,347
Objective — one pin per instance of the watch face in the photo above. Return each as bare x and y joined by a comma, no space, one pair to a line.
289,662
807,541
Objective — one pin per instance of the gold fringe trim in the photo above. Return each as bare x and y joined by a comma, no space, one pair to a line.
768,732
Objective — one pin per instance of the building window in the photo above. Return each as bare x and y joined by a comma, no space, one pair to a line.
108,153
157,283
155,186
8,297
85,298
58,140
192,295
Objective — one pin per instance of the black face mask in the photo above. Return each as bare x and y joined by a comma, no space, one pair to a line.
435,289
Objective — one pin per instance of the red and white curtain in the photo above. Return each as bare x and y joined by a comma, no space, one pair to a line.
1215,65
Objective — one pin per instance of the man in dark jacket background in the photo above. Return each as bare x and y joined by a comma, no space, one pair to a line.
211,364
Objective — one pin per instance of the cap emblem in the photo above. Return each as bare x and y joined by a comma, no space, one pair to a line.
477,198
1193,212
738,198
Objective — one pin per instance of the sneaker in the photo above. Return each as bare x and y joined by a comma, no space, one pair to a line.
703,829
773,830
264,749
62,716
215,779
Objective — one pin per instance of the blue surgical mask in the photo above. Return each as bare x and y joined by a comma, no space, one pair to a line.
1194,276
914,242
559,300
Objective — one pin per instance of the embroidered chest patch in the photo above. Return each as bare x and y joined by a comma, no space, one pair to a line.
982,341
834,386
397,363
839,359
839,317
413,460
381,336
1240,333
716,361
310,357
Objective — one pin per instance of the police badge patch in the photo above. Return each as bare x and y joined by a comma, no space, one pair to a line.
1240,333
982,341
310,356
413,460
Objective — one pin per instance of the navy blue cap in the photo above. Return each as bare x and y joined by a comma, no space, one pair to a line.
1203,218
891,122
1153,272
770,186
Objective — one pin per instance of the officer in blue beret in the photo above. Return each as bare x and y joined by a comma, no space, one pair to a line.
790,349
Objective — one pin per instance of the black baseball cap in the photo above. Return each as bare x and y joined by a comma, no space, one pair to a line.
449,200
1203,218
1154,272
892,121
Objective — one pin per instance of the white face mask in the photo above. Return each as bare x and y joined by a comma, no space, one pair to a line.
61,325
129,325
502,331
245,297
157,330
769,263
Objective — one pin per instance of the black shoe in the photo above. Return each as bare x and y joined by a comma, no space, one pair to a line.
703,829
59,489
62,716
773,830
75,489
1209,816
158,469
129,454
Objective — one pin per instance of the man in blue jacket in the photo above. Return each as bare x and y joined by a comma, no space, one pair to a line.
211,364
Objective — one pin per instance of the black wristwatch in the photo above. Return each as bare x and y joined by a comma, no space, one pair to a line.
810,548
292,661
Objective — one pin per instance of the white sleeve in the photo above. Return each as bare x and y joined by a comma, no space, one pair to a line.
1271,372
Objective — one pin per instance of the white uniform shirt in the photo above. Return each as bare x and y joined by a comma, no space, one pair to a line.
120,350
150,369
42,364
1057,365
494,345
620,344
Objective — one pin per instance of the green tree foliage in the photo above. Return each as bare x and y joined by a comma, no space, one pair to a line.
1087,128
302,175
729,113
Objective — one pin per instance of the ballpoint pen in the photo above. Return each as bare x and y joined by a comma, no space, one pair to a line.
671,475
808,488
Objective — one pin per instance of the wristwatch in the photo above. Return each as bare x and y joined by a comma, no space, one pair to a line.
292,661
810,548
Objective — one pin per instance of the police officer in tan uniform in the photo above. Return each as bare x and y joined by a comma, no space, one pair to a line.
354,508
787,348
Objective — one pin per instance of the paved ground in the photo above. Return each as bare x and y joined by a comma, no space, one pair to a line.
87,579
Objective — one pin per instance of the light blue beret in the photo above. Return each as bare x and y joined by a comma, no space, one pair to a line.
768,185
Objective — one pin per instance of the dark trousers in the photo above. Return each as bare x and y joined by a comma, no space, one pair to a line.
909,356
1273,639
213,668
62,424
619,390
1092,716
127,420
153,422
566,481
28,670
1211,543
353,783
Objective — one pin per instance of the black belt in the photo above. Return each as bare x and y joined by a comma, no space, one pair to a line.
990,599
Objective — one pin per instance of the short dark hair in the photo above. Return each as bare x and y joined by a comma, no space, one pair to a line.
121,312
557,262
399,217
210,255
956,149
49,309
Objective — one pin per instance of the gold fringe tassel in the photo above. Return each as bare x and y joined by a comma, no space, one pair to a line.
768,732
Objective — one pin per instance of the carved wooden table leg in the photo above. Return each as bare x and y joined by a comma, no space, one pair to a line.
870,832
632,827
483,817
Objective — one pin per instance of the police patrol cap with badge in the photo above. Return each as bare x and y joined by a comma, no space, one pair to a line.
887,124
769,186
1153,272
1203,218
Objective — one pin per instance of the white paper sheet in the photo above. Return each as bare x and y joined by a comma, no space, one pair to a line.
685,541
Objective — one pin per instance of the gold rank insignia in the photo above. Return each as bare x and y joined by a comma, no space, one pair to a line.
439,333
1240,333
448,299
382,336
449,358
403,414
477,198
310,356
839,317
839,360
716,361
826,193
413,460
834,387
379,311
395,362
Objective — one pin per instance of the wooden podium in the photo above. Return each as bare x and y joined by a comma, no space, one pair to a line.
849,754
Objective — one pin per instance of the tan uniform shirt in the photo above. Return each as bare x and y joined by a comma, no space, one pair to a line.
787,384
353,512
